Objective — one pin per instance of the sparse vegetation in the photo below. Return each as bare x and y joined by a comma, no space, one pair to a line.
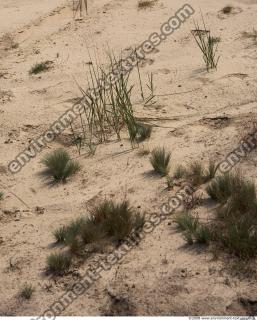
227,9
117,220
108,222
160,159
27,291
58,263
237,214
208,45
1,195
143,151
169,183
78,6
59,166
250,35
144,4
142,132
196,173
192,201
40,67
186,221
180,172
192,229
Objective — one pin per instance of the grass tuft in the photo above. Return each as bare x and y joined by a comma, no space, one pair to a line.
143,132
144,4
192,229
186,222
58,263
59,166
160,161
27,291
40,67
1,196
207,44
108,222
117,220
227,9
196,173
180,172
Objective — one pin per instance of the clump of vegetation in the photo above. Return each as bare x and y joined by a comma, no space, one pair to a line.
143,151
192,201
180,172
169,183
250,35
144,4
117,220
196,173
58,263
1,195
193,230
160,160
234,228
108,222
227,9
237,213
40,67
78,6
186,221
235,188
27,291
59,166
208,45
142,132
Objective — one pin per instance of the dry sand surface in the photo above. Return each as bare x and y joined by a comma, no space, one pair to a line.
197,116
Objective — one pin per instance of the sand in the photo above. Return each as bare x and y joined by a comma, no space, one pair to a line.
161,276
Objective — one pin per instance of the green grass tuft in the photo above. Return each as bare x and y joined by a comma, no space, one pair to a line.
160,161
40,67
27,291
180,172
59,166
58,263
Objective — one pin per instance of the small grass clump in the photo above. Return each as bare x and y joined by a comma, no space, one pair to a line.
192,229
1,195
107,222
143,151
143,132
169,183
208,45
212,169
27,291
58,263
233,187
144,4
186,221
202,234
180,172
160,159
237,214
117,220
227,9
59,166
240,237
196,173
40,67
78,6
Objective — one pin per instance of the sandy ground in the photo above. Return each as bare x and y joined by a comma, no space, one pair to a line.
161,276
